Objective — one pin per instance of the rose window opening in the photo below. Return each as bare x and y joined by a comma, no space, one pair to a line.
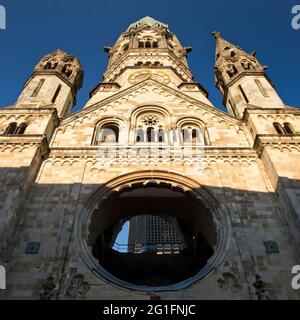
150,129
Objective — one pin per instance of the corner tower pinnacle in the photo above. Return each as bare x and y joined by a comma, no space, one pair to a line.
242,79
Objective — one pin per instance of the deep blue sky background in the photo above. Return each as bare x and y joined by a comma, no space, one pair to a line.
83,28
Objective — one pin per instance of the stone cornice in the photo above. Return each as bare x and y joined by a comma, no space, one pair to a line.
19,142
22,139
208,151
50,72
263,140
18,110
257,110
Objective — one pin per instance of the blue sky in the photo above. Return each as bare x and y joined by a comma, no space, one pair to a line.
83,28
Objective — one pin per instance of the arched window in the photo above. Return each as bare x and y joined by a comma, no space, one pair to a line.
150,127
22,128
150,134
11,129
278,127
186,135
51,65
108,134
67,70
193,134
148,43
231,70
288,128
140,135
48,66
161,135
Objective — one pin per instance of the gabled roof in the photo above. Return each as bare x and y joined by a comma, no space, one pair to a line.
118,95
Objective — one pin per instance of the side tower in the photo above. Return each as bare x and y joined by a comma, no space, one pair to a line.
250,95
26,129
242,79
54,82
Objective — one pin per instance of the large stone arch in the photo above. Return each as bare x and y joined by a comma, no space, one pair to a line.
163,179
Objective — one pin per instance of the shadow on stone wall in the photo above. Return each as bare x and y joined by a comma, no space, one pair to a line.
48,218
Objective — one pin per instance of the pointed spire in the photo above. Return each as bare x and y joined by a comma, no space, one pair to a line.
232,61
234,64
223,46
216,34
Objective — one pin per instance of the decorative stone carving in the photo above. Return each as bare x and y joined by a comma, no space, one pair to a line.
229,282
78,287
172,43
49,289
148,34
150,120
67,65
260,289
67,70
142,75
51,64
246,64
121,47
231,70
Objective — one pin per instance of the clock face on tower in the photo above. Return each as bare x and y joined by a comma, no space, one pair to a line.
142,75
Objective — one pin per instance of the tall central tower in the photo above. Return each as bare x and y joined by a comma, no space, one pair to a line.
147,50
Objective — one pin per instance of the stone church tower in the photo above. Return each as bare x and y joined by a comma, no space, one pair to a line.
149,142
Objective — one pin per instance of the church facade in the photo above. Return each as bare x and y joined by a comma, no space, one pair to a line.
150,142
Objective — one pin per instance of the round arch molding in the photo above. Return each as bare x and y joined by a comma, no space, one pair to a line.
160,179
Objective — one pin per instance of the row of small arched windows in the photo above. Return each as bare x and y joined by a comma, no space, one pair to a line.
52,65
149,44
14,128
286,128
110,134
150,135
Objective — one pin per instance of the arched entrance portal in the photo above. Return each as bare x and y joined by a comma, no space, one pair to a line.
169,203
